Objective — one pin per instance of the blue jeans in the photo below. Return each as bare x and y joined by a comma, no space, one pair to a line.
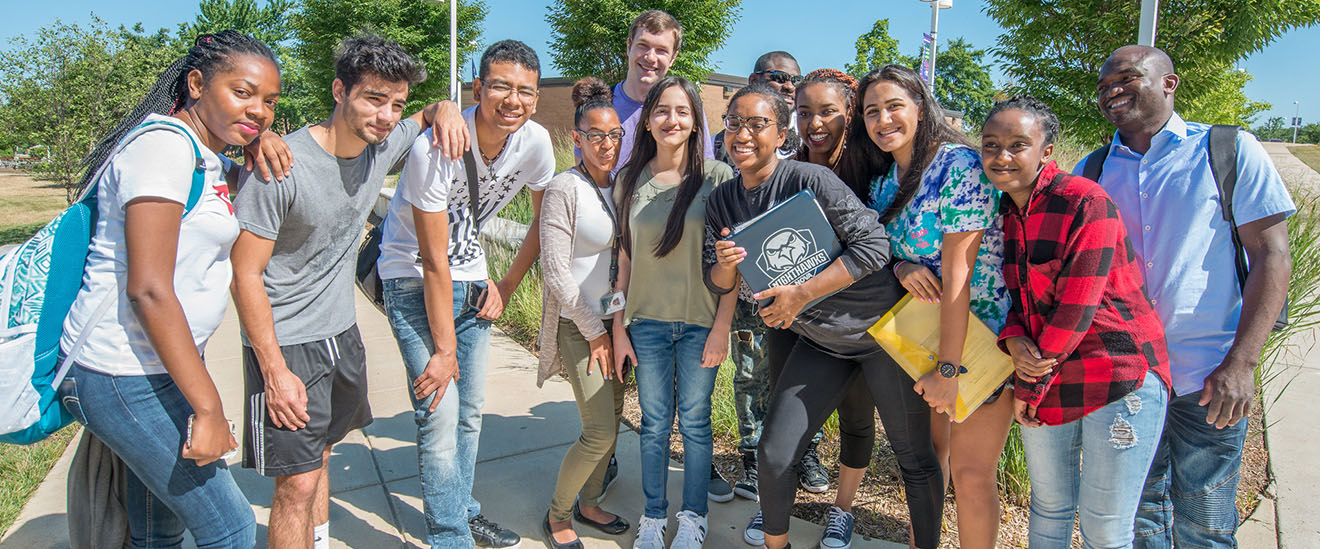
1190,495
1118,442
671,381
144,420
446,438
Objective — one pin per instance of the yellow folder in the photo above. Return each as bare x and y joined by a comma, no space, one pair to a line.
910,332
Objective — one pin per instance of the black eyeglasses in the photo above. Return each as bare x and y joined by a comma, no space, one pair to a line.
596,137
781,77
754,124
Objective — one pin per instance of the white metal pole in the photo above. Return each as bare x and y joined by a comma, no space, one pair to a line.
1297,112
934,40
1149,19
453,54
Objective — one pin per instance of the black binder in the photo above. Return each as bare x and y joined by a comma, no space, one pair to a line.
787,244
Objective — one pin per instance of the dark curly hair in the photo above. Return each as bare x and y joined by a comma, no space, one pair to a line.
589,94
209,54
368,53
1044,115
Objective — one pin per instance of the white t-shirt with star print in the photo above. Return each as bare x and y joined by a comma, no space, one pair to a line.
433,183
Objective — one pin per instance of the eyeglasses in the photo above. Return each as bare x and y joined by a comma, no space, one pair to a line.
503,91
754,124
781,77
597,137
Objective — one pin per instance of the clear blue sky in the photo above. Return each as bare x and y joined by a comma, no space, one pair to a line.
765,25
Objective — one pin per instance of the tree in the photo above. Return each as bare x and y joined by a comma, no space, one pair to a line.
590,36
1309,133
273,25
962,80
875,49
420,26
1272,128
69,85
1054,50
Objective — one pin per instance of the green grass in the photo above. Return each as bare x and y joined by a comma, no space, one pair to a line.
17,234
1308,154
22,468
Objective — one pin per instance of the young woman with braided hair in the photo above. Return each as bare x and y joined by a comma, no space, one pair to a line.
139,382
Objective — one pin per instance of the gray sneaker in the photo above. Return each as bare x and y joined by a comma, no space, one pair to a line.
811,474
746,486
718,490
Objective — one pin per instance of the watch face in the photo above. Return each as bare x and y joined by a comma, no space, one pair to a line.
947,369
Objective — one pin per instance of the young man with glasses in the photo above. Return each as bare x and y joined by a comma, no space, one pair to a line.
438,299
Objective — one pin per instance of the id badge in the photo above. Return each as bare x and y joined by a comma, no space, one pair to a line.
612,303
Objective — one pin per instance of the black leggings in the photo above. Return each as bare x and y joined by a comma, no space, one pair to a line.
856,412
812,384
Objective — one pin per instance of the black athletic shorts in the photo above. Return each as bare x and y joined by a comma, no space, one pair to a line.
334,371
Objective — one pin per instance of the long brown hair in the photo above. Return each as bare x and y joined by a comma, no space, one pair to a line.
645,149
863,161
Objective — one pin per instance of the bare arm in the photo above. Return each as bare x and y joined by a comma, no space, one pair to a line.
1230,388
958,254
151,230
449,132
286,395
438,292
622,345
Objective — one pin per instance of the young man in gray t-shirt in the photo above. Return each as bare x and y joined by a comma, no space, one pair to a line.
304,365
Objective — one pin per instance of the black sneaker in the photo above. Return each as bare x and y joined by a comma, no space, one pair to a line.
611,473
488,534
811,474
746,486
718,490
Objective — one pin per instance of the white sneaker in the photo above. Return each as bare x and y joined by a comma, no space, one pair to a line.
650,533
755,533
691,531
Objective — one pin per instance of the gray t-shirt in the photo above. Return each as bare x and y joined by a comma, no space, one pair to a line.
316,217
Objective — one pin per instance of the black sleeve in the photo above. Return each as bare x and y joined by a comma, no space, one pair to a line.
865,243
716,220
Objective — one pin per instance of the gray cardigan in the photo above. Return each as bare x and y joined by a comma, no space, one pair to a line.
560,295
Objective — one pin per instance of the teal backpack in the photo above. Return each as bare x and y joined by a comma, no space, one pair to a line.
38,283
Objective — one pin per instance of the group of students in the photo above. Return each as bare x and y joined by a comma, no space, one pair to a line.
1144,369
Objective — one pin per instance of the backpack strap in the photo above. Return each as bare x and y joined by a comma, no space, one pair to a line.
474,191
194,196
1095,163
1222,150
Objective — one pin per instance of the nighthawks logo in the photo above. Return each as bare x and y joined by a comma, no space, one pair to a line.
790,256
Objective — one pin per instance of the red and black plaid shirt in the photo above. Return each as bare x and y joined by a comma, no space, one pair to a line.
1077,292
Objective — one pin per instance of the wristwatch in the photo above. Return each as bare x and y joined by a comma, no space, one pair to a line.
949,370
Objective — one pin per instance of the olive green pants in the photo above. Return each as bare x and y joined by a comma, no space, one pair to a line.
600,403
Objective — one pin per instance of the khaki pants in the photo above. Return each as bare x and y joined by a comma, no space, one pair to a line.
600,403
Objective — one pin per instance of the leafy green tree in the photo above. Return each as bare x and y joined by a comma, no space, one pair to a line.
1054,50
1309,133
962,79
1272,128
876,49
589,37
68,85
420,26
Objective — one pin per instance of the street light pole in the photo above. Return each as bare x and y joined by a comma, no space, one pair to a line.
1149,16
1297,113
453,54
935,7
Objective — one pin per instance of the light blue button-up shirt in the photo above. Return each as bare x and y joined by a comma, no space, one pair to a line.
1170,206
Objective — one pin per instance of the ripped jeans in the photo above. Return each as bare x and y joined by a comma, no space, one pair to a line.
1119,442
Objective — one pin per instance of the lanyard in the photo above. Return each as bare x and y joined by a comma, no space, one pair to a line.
614,222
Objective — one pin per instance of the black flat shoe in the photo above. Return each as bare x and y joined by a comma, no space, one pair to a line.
613,528
550,537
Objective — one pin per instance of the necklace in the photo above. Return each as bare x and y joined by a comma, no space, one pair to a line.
491,159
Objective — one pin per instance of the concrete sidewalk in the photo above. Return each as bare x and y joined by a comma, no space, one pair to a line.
375,489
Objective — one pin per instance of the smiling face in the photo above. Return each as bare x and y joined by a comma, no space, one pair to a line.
650,56
602,156
1013,150
507,95
372,107
751,152
1135,91
780,83
238,102
822,117
671,121
891,117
